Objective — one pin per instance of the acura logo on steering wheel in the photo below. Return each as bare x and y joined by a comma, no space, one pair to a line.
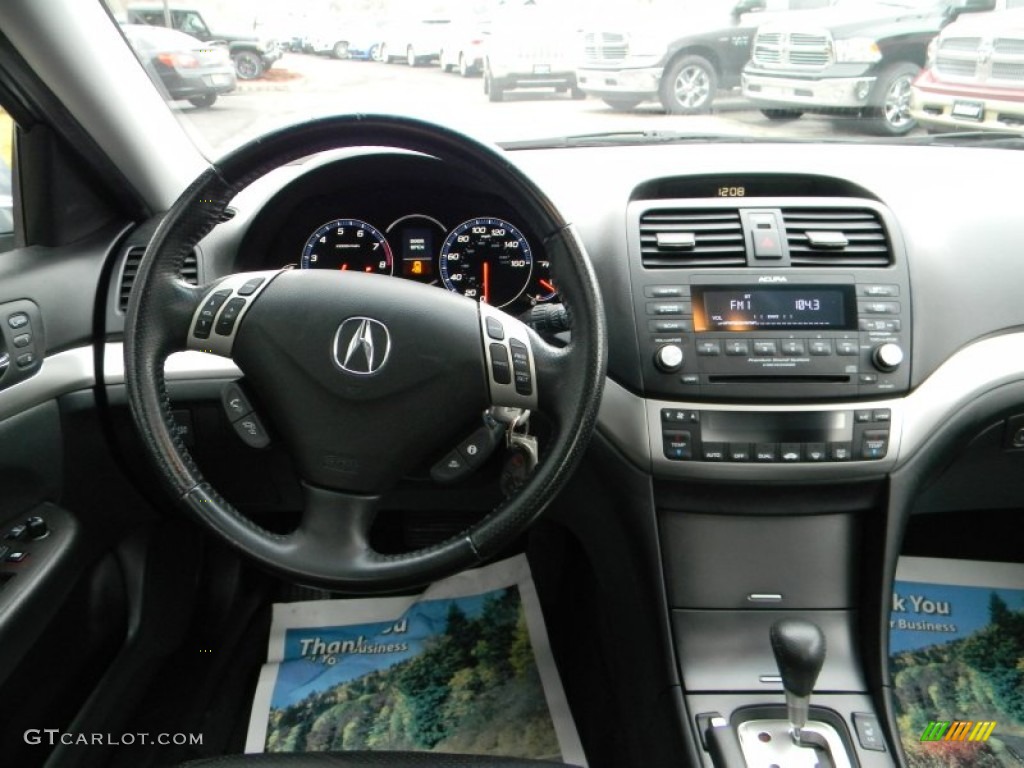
361,346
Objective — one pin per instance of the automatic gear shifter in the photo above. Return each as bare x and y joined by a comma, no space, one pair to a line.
799,648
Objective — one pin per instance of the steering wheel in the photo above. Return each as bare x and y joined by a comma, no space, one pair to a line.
363,377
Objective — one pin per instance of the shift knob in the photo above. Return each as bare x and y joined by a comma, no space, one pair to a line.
799,648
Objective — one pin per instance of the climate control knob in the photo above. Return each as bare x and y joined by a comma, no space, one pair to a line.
887,357
669,358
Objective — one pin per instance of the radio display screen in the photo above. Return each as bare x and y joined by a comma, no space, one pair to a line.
774,308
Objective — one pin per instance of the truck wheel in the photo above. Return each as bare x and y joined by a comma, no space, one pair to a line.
248,65
622,105
494,90
340,50
206,100
688,86
779,115
891,115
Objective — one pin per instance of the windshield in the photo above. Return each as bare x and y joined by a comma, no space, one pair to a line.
533,71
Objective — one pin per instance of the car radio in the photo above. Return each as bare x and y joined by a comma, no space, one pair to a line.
769,335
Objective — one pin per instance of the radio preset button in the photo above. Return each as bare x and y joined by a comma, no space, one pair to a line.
709,348
880,307
821,347
765,348
738,347
847,347
879,291
794,347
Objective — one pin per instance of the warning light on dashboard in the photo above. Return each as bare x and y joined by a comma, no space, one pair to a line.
417,267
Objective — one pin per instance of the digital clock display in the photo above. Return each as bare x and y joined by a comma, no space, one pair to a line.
790,308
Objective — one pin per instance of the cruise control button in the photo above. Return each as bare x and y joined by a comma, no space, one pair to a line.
521,367
251,430
22,340
228,316
501,369
494,328
249,286
25,360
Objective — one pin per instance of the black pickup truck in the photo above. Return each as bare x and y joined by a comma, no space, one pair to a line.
251,55
652,58
855,59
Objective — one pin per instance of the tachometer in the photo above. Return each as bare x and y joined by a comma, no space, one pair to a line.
348,244
488,260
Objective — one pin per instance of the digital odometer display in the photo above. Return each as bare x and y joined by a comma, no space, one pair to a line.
791,308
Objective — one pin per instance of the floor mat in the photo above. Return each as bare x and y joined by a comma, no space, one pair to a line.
464,667
957,662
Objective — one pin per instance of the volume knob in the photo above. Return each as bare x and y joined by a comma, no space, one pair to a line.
887,357
669,358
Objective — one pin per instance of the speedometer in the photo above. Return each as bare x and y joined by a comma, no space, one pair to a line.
488,260
348,244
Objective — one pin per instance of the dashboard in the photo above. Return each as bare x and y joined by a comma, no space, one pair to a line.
405,216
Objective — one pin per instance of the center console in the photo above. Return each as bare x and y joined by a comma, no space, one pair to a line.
775,346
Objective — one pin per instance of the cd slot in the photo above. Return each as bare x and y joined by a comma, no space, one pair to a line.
763,379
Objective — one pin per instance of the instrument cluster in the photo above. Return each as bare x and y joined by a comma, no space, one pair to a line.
485,258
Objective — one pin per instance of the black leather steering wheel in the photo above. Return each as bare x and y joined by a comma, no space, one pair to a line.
362,376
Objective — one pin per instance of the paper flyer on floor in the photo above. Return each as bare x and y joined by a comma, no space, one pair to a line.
957,662
464,667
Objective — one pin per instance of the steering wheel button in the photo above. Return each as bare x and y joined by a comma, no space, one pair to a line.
236,404
25,360
17,321
494,328
22,339
451,468
501,369
249,287
251,430
228,316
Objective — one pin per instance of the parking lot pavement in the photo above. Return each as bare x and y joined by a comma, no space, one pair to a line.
301,86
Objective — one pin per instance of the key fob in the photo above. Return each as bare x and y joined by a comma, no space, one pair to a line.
520,460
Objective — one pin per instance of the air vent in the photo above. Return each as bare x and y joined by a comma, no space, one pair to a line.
836,237
688,239
189,273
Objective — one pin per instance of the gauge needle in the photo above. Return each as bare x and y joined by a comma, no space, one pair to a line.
487,282
546,284
344,267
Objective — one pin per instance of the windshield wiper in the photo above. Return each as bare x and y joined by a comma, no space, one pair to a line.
611,138
1008,139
